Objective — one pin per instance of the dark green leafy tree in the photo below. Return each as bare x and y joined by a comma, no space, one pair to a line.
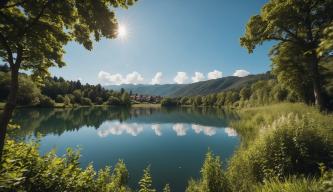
146,181
303,25
33,34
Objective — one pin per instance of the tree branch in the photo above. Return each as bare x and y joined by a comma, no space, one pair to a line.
12,5
293,35
35,20
279,39
4,42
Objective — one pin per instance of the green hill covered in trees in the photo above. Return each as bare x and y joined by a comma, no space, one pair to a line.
199,88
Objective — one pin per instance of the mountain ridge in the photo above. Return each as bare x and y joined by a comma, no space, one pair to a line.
192,89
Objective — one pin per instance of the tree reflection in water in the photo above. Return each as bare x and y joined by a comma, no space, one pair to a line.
34,121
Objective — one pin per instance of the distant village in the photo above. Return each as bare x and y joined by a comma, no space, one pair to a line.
146,98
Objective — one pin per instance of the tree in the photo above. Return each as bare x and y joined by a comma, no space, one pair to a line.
33,35
146,181
299,23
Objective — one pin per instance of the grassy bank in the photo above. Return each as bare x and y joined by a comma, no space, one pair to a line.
283,147
254,119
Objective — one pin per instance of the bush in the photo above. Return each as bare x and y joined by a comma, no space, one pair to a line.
289,185
114,101
291,145
212,178
23,169
146,181
45,101
168,102
60,99
99,100
67,100
86,101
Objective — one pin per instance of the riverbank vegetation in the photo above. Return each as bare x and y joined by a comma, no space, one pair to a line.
283,146
285,143
257,93
57,92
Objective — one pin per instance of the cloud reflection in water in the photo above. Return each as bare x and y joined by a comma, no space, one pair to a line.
230,132
157,129
209,131
180,129
106,129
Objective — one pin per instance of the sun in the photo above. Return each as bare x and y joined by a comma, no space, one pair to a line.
122,32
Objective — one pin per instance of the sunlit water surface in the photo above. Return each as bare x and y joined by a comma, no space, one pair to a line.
172,141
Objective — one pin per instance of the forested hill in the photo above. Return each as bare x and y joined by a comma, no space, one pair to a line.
199,88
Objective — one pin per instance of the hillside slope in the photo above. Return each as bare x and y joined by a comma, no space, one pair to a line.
199,88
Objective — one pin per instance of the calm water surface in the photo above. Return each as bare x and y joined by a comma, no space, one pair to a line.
172,141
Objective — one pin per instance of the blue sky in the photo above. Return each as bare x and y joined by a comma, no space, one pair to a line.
171,36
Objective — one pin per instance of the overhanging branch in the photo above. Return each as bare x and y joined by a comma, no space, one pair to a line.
4,42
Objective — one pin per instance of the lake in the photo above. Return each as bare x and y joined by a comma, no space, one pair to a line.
172,141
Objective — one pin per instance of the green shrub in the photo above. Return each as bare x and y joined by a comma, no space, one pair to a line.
59,99
85,101
67,100
45,101
326,181
212,178
291,145
167,188
23,169
114,101
168,102
289,185
146,182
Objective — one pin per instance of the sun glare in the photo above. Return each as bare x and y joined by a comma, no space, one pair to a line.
122,32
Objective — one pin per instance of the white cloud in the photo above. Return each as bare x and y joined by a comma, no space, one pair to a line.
230,132
157,78
180,129
133,78
214,74
117,79
210,131
157,129
241,73
180,78
198,77
106,129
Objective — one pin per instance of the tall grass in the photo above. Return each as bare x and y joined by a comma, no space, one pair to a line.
280,142
252,120
289,185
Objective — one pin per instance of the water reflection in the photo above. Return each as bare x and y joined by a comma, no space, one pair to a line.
210,131
230,132
180,129
117,121
116,128
157,129
164,138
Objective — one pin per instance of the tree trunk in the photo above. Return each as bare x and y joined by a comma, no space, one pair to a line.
317,84
9,107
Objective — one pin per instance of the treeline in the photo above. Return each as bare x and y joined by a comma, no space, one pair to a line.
258,93
57,91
